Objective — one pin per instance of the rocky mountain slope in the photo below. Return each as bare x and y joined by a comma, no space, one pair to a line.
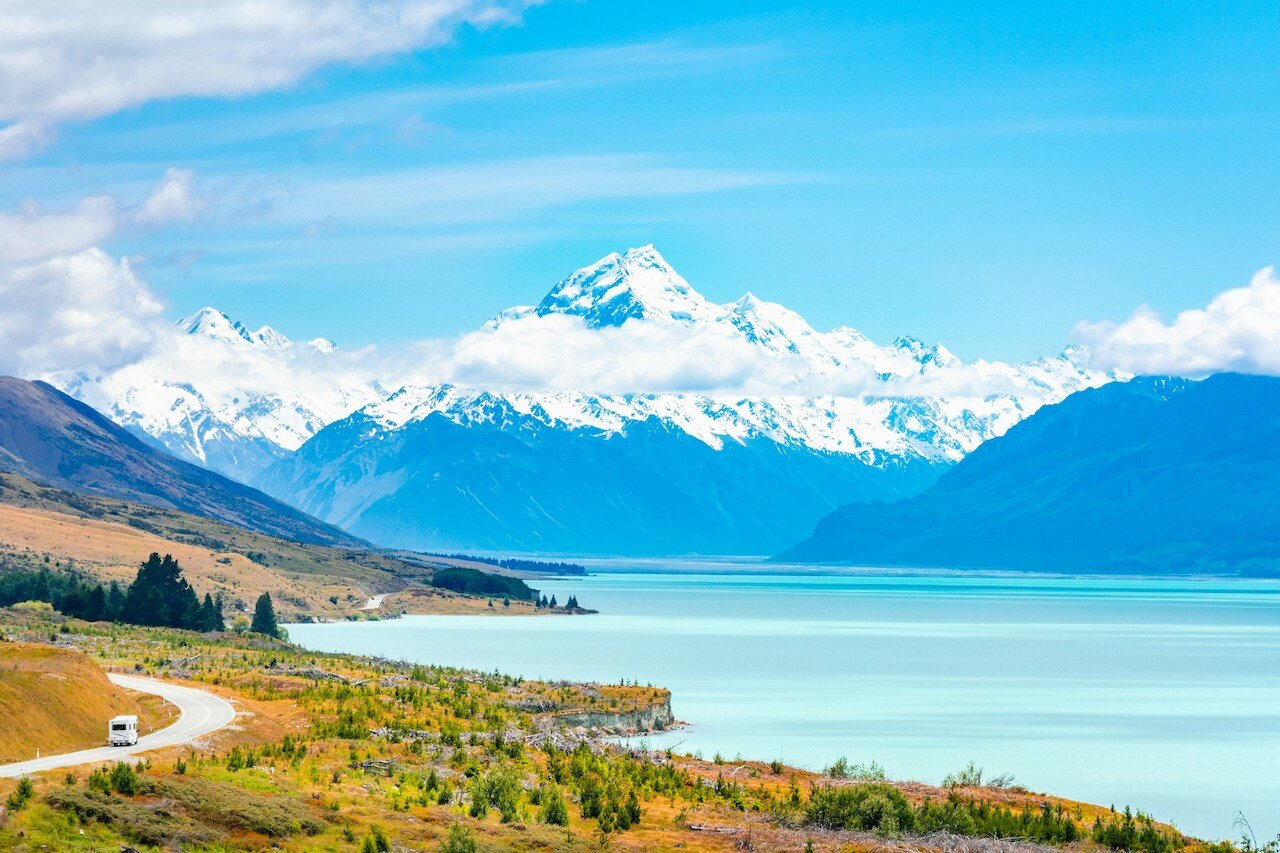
1151,475
50,438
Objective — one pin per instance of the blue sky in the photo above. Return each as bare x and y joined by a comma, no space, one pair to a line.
985,177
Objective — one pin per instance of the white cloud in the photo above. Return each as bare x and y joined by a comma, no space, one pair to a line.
1239,330
85,309
30,235
174,199
82,59
24,138
562,352
65,303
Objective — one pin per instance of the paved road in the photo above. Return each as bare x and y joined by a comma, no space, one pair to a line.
202,713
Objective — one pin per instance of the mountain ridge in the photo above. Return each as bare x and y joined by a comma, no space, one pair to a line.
1155,474
54,439
832,401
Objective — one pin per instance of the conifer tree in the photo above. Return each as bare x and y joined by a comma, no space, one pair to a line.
211,614
264,617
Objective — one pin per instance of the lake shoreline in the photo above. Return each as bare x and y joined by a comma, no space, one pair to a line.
1072,684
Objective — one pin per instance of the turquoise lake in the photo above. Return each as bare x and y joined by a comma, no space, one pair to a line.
1162,694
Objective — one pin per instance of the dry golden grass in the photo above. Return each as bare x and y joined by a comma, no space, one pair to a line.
58,700
112,551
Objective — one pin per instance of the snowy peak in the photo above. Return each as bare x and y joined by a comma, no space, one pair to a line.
212,323
770,325
270,338
927,356
637,285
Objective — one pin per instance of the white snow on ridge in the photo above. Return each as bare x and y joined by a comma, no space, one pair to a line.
234,399
872,428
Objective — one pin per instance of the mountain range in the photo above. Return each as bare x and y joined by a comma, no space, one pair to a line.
432,464
48,437
1151,475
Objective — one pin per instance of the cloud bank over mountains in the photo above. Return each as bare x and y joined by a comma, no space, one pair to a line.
81,60
1239,330
66,305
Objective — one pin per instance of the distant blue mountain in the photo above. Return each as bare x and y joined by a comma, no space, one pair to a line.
1152,475
508,481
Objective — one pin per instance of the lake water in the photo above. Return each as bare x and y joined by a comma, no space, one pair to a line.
1163,694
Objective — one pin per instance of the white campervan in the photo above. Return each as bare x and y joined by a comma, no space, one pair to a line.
123,731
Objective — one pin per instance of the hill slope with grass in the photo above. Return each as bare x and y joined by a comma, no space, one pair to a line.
51,438
105,539
58,700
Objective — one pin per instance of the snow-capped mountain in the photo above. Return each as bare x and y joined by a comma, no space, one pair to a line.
829,417
226,397
442,465
912,400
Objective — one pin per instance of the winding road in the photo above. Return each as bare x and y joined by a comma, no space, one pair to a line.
201,713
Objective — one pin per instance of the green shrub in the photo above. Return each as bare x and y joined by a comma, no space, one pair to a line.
1138,832
124,779
874,807
460,840
968,777
21,795
554,808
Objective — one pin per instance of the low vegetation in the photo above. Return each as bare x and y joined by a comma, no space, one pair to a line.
362,754
518,564
476,582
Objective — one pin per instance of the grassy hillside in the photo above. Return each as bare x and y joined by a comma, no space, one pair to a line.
107,538
51,438
58,700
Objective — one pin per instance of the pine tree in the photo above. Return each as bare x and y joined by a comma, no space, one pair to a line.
572,603
95,605
160,596
264,617
115,603
211,614
553,602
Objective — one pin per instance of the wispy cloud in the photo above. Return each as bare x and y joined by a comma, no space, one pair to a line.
398,112
1078,125
504,190
83,59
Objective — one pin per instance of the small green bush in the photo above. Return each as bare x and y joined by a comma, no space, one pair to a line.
554,808
21,795
460,840
874,807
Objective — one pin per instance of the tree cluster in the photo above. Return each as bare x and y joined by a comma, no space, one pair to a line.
159,596
542,602
476,582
